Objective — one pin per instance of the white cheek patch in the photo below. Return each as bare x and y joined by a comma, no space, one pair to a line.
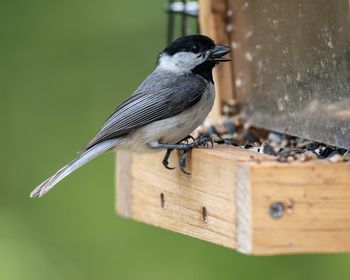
180,62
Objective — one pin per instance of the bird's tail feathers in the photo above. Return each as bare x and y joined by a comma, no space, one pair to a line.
79,161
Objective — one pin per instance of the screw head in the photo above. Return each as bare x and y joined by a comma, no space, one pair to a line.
276,210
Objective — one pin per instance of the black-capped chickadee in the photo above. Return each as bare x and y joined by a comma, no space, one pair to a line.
170,104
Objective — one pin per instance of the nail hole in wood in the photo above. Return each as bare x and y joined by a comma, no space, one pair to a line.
204,214
162,200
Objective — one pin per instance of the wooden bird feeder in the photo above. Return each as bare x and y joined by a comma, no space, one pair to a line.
246,200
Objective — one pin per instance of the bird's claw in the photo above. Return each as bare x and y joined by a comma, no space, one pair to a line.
165,161
183,162
166,165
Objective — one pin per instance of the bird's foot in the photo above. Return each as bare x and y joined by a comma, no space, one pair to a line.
201,141
182,163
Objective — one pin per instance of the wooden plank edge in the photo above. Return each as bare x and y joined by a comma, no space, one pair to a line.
213,19
243,210
123,183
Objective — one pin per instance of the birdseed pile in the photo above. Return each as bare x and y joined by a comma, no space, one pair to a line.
286,148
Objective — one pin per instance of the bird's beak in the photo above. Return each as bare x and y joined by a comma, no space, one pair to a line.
218,52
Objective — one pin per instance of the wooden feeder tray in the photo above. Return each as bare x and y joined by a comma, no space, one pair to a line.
240,199
234,197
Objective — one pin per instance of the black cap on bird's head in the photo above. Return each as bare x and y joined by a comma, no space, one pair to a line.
191,43
188,52
198,44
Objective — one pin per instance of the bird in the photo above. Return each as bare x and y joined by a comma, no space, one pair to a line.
162,112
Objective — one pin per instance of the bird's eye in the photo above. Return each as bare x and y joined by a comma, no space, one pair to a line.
195,48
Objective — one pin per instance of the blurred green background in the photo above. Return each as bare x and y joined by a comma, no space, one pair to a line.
65,65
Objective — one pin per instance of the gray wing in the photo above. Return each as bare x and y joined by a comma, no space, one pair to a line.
145,107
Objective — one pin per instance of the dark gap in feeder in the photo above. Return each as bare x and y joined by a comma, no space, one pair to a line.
204,214
162,200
